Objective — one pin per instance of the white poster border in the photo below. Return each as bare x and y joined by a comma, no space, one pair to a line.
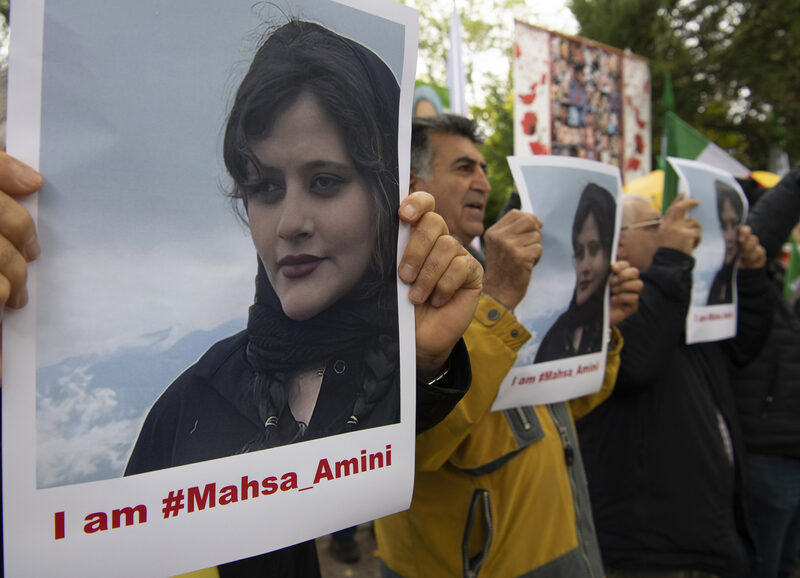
572,377
705,323
45,529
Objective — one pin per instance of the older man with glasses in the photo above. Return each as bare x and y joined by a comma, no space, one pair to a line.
664,454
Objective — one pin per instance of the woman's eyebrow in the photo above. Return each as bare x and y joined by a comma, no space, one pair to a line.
327,164
314,165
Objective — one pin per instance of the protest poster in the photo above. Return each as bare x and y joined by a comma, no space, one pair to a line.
580,98
722,210
138,117
566,306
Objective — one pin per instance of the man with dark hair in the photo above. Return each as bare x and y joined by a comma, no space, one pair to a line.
460,169
664,453
500,492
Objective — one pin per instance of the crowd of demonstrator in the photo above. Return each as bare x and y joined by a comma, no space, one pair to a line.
689,457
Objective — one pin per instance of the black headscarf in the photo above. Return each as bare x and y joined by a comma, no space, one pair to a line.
365,320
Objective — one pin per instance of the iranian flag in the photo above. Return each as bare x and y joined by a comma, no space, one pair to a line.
687,143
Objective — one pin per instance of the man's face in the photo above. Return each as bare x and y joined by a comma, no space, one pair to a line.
638,244
457,180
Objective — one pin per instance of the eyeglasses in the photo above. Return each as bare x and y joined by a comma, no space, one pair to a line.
649,224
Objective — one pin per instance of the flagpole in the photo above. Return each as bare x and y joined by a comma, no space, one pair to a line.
455,65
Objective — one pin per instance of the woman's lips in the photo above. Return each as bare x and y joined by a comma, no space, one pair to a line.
584,285
296,266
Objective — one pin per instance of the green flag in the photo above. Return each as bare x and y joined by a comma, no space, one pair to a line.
685,142
791,279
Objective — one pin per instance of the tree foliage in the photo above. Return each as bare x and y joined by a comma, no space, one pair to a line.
733,65
497,113
486,29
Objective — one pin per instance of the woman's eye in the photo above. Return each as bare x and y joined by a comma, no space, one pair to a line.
326,184
267,192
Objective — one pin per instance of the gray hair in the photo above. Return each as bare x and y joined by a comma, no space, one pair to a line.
629,200
421,128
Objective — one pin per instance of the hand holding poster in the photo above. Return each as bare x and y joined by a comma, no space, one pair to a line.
145,268
721,212
566,307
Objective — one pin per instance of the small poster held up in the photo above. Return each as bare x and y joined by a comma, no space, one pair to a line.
566,307
722,210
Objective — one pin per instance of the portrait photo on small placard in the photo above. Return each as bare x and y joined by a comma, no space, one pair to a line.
566,306
722,210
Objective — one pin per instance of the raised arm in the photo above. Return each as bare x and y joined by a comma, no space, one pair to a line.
755,301
494,336
445,282
658,325
773,217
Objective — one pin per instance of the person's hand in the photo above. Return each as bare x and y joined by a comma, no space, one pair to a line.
753,255
18,242
513,247
445,283
625,288
677,231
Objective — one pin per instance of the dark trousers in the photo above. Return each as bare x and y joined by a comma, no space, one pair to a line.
775,501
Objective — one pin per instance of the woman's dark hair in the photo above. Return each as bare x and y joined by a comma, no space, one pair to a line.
726,192
597,201
361,96
354,87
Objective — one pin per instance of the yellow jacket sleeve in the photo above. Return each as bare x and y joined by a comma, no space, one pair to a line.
493,339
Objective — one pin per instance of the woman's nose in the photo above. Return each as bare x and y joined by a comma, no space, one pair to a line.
296,219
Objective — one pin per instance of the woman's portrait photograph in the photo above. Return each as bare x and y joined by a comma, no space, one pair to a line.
579,330
730,213
311,146
722,210
566,308
217,307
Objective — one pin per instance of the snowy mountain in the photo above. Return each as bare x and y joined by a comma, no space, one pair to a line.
89,409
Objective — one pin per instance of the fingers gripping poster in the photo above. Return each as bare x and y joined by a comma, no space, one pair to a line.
566,306
138,412
721,212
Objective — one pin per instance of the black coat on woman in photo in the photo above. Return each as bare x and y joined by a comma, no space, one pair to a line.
210,412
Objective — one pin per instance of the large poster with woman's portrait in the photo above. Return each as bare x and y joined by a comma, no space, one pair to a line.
722,210
217,344
566,306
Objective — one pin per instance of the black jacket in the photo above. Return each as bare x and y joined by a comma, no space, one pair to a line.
768,390
664,493
201,417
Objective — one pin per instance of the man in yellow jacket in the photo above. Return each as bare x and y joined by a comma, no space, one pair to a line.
496,493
